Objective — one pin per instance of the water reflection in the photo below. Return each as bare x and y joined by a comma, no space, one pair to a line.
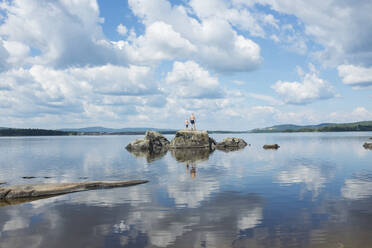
9,202
313,176
191,156
320,196
219,221
149,156
359,187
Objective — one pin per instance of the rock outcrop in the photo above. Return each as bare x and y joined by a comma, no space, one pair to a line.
231,144
192,139
2,182
153,142
271,146
31,191
367,145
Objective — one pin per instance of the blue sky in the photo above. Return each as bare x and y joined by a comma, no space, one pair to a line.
151,63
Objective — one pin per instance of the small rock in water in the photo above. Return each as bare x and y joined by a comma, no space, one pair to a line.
367,145
271,146
28,177
83,177
47,177
2,182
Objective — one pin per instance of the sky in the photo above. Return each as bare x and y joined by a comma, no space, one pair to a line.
235,64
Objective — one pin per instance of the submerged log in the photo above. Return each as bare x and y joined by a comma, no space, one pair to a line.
54,189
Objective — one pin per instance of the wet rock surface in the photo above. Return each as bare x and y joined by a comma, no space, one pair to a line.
367,145
192,139
271,146
47,190
153,142
231,144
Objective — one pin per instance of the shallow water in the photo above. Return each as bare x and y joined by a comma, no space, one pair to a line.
315,191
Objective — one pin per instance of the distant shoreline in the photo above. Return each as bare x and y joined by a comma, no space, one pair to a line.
15,132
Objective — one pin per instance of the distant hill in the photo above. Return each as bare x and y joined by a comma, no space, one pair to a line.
323,127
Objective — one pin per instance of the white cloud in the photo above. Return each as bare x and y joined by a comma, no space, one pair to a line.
356,76
3,56
159,42
17,51
217,44
312,88
121,29
75,37
343,28
239,17
70,71
189,80
357,114
271,100
275,38
77,93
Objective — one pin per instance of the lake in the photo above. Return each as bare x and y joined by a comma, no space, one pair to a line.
314,191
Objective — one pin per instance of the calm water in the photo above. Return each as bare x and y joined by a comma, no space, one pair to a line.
315,191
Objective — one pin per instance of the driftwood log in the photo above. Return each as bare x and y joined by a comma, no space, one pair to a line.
47,190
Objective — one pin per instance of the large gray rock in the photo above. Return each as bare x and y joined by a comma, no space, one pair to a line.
231,144
192,139
153,142
367,145
47,190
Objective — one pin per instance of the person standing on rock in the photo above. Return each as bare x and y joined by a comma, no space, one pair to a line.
192,121
187,123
